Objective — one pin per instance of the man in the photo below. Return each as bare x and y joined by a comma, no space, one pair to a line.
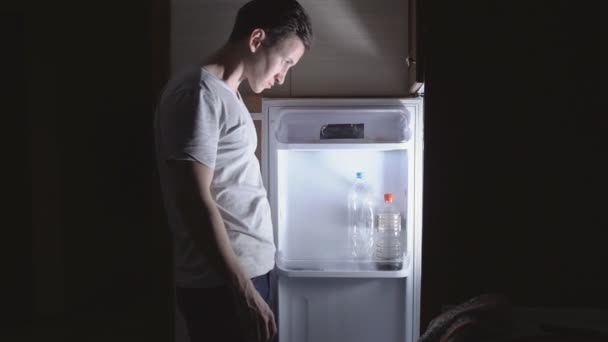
211,180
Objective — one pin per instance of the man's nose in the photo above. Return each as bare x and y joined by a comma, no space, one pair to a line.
280,78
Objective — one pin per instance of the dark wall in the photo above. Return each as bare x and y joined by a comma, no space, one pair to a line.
15,228
513,175
101,245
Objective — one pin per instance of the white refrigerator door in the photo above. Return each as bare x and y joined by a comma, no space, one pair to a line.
315,147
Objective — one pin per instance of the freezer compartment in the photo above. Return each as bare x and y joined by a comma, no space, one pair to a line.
353,310
311,202
339,268
361,124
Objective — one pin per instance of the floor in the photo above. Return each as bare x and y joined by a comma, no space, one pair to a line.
108,327
153,327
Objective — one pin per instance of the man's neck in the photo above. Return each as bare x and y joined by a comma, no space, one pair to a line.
227,64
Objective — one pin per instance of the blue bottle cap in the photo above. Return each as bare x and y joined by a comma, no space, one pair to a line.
360,174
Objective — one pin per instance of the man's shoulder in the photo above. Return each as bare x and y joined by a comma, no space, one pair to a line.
191,82
211,86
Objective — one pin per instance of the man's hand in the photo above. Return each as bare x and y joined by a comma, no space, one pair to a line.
255,315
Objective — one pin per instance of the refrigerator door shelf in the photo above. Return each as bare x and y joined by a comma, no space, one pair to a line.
344,145
318,268
310,124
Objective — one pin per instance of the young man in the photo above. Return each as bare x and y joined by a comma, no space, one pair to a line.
211,181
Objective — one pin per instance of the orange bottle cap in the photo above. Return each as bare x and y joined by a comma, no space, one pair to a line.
388,197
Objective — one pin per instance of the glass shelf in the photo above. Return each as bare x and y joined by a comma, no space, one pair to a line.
341,268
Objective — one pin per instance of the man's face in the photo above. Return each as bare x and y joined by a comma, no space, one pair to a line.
270,64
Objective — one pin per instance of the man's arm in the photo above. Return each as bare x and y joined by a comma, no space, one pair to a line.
206,227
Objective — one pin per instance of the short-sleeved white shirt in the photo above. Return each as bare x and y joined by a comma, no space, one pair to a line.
199,118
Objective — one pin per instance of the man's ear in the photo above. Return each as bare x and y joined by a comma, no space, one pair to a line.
256,38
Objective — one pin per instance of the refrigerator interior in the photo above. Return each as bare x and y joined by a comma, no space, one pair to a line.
323,294
312,207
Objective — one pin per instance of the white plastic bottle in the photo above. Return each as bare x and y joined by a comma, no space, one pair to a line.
361,219
388,246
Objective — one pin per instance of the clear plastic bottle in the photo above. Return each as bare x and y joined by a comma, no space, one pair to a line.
388,246
361,218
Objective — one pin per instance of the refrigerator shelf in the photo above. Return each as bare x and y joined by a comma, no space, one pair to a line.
370,146
339,268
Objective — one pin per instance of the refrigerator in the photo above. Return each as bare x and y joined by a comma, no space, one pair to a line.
314,149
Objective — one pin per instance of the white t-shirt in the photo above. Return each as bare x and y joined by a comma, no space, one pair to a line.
199,118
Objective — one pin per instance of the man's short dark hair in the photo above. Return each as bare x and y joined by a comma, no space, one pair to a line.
278,18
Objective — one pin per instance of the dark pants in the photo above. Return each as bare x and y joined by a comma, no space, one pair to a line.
210,313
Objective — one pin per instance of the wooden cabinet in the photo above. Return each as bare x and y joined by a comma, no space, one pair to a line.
360,49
